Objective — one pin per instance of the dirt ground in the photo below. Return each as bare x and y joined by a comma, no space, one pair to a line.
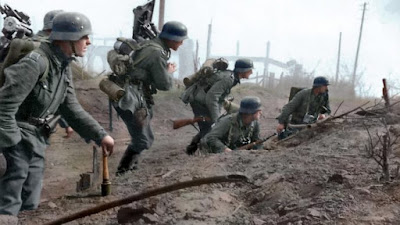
320,177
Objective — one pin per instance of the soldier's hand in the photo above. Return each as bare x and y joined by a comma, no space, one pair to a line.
280,128
107,145
321,116
171,67
69,131
226,150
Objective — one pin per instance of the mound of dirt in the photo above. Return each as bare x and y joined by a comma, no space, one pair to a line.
323,176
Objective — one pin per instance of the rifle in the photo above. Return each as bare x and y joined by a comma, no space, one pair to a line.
184,122
143,28
251,145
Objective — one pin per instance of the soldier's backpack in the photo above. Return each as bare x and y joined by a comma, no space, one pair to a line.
18,49
206,70
120,60
294,91
199,83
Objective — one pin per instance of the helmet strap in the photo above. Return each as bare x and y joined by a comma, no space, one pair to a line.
71,43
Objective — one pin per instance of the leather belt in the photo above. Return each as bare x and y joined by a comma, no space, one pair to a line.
39,121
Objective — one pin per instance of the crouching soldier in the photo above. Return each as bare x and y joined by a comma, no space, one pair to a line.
210,97
37,89
307,106
235,130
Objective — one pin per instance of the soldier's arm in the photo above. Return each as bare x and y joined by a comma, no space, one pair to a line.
292,106
215,137
256,136
327,106
158,69
20,79
213,97
80,120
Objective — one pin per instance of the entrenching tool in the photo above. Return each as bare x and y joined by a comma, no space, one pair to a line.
106,185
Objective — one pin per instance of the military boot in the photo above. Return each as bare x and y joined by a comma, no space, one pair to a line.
129,161
192,147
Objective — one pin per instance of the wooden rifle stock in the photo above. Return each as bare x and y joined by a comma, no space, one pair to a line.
251,145
184,122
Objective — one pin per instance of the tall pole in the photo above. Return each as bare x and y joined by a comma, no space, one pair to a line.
266,65
338,59
237,48
209,40
161,15
358,48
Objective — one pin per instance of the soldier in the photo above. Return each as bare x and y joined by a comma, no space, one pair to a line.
307,106
36,89
47,25
210,105
43,35
152,72
235,130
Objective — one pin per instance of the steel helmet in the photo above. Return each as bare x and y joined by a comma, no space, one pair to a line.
243,65
320,81
174,31
48,19
70,26
250,105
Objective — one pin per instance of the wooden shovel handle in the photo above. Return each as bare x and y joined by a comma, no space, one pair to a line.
106,175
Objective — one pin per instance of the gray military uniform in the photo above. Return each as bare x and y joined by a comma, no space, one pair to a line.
302,101
135,107
25,97
209,98
43,36
230,132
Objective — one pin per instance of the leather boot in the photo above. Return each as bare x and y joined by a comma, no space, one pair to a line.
192,147
128,162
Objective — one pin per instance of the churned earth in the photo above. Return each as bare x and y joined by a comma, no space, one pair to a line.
322,176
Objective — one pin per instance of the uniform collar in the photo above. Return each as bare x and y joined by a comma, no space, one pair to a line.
159,41
55,53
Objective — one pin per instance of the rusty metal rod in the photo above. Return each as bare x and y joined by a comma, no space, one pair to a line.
147,194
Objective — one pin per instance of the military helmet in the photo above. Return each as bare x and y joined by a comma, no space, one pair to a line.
174,31
250,105
320,81
48,19
243,65
70,26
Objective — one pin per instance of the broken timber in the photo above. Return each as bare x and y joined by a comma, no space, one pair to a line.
147,194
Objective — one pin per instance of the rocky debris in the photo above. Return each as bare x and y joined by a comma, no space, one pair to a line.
9,220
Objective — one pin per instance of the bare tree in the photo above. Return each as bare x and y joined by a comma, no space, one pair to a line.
380,149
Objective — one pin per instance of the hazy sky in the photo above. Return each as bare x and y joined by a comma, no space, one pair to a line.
305,30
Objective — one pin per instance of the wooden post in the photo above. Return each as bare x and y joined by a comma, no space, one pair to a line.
266,64
358,49
237,48
385,94
161,15
338,59
271,80
209,40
